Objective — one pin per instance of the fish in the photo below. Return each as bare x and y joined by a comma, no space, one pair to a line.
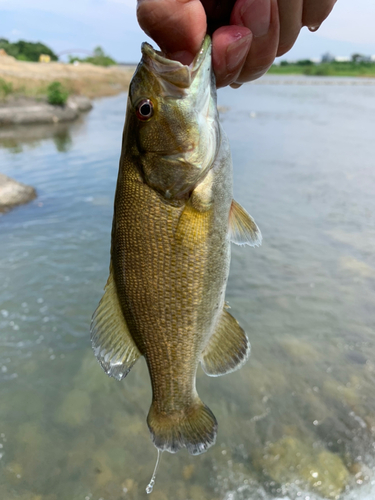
173,224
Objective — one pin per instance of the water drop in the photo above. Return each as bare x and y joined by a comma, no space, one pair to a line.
313,28
151,484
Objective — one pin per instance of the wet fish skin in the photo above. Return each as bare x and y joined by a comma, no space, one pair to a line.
173,220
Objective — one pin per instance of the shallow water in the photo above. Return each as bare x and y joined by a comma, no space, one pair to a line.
298,420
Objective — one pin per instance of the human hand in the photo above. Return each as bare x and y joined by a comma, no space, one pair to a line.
247,35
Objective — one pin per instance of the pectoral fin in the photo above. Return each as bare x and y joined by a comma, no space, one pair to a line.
228,348
110,337
242,227
192,227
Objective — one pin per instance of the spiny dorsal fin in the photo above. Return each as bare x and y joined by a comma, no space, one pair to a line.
242,227
228,348
110,337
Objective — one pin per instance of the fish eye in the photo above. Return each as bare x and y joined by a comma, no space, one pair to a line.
145,109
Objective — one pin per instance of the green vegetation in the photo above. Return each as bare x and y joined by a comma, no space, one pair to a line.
56,94
5,88
99,58
26,51
307,67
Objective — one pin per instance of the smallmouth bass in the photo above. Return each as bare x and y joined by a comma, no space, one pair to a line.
174,219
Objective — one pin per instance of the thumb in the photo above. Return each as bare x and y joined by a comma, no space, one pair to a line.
177,26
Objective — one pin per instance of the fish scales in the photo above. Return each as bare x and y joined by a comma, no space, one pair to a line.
166,286
173,221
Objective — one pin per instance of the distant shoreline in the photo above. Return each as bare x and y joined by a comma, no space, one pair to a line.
308,68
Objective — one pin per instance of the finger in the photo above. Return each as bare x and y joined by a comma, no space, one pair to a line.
254,14
230,47
177,26
290,16
263,47
315,11
218,13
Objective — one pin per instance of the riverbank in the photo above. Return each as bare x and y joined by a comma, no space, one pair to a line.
32,79
23,91
19,110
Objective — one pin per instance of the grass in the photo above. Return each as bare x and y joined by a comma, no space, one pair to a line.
33,79
324,69
6,88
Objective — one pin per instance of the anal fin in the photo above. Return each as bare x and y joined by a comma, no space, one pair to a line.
228,348
242,227
110,337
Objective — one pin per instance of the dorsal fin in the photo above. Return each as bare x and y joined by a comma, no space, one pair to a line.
228,348
110,337
242,227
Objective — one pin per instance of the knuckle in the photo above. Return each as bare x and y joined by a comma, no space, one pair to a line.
284,47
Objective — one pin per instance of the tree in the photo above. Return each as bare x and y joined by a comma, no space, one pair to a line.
26,51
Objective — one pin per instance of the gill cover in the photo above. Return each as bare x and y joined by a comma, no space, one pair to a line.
177,143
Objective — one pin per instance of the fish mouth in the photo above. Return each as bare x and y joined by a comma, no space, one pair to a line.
174,72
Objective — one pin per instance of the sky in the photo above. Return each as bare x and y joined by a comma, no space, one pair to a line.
65,25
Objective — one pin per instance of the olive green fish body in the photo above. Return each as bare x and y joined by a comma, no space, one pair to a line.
173,221
171,266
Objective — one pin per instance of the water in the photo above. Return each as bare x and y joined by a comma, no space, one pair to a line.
151,484
298,420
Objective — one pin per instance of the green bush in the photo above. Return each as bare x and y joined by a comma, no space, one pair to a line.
99,58
26,51
5,88
56,94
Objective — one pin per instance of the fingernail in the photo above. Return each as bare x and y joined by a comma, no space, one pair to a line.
237,51
184,56
256,15
236,85
313,28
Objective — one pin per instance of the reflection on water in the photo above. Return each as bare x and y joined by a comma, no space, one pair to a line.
298,420
19,138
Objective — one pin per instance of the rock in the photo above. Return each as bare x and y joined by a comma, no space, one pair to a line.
290,460
80,102
13,193
19,111
37,113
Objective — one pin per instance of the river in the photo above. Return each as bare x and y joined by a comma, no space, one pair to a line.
298,420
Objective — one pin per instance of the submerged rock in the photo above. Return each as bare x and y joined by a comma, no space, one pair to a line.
13,193
74,409
290,460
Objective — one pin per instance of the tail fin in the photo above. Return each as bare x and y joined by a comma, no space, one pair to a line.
194,428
